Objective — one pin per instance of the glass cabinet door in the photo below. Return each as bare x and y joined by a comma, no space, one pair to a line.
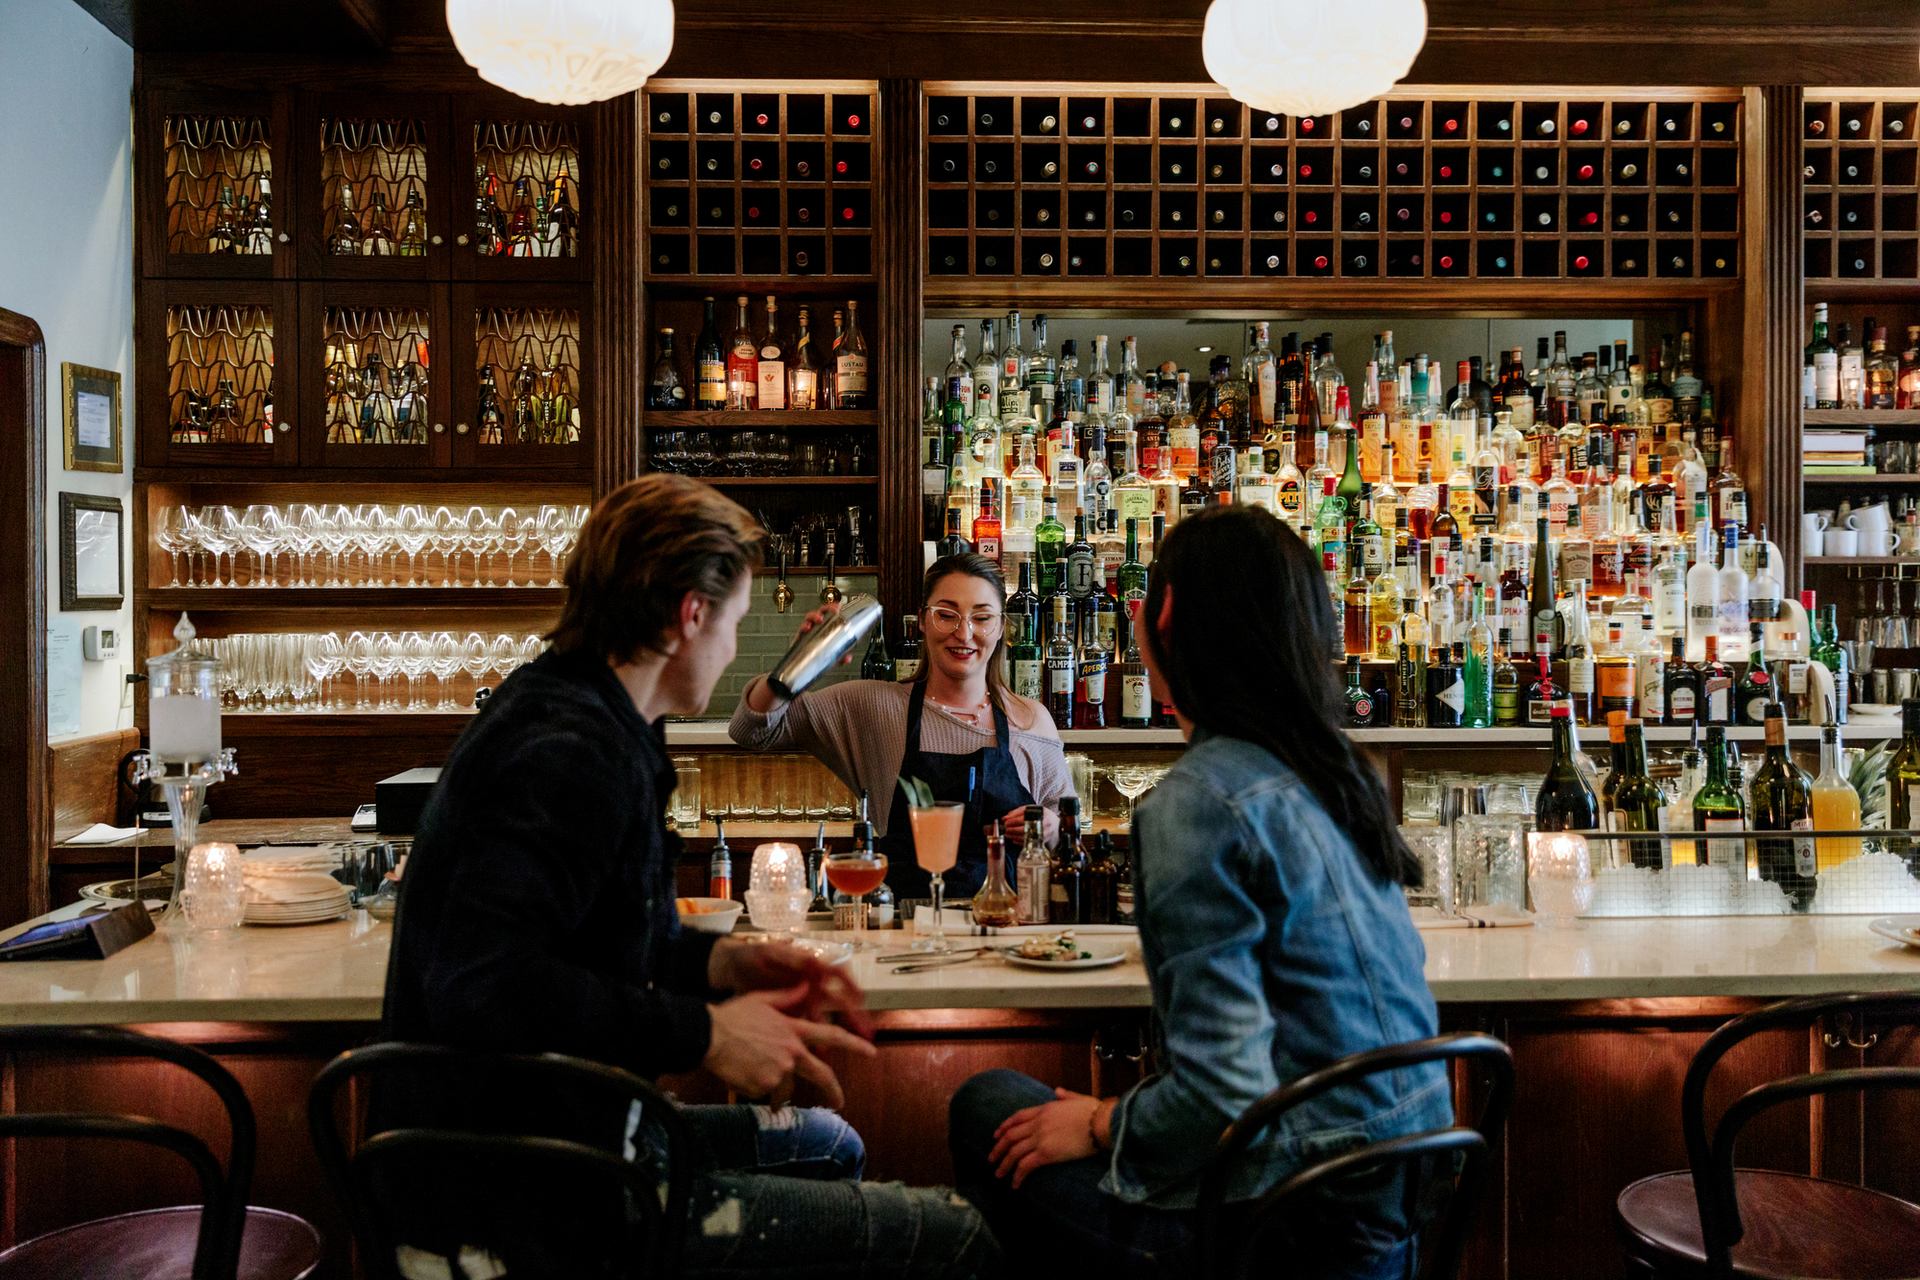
219,201
369,355
525,200
224,390
376,188
521,364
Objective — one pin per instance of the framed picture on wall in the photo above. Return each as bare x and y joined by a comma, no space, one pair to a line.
90,407
92,572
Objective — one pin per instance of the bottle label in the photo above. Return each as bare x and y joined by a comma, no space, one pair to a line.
1576,562
1080,575
1506,706
1539,711
1361,709
1718,696
1797,678
1288,497
1454,696
1093,682
1681,703
1580,675
1803,854
1826,377
1026,676
850,375
987,544
1373,554
1123,905
1106,630
1060,676
773,384
1515,617
1616,684
906,668
713,381
1136,698
1223,469
1729,855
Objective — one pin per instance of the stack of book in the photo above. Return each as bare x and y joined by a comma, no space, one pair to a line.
1835,453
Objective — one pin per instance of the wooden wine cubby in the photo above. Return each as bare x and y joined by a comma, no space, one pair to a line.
1179,182
761,183
1861,219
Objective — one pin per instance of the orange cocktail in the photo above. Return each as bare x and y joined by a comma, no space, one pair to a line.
936,846
857,876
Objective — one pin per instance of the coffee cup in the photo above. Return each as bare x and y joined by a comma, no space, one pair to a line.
1812,525
1878,542
1842,542
1871,519
1813,542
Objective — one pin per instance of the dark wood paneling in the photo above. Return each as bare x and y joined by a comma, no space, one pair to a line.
1768,430
86,779
23,619
615,392
320,771
899,260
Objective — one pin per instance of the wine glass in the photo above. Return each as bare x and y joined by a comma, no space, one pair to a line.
510,536
483,538
1134,781
936,847
374,524
447,533
260,534
473,537
476,658
333,525
506,654
556,538
385,664
531,647
416,654
171,534
412,528
324,656
220,535
445,664
301,534
359,664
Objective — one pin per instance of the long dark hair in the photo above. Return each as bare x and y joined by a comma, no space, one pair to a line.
1246,656
970,565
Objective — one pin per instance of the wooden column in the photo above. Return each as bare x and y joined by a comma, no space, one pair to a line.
895,339
1767,429
617,386
25,795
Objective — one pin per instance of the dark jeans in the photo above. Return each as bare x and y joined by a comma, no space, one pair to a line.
778,1194
1061,1222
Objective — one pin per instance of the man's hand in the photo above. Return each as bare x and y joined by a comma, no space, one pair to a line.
758,1046
738,965
1051,1133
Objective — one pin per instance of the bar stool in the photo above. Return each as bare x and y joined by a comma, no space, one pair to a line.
1713,1220
643,1223
1229,1250
219,1239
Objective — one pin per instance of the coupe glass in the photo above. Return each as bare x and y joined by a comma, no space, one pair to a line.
1134,781
857,873
936,847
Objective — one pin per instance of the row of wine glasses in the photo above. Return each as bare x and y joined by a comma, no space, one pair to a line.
368,544
365,670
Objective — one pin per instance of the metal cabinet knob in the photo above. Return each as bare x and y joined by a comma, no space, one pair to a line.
438,240
439,428
284,237
461,238
460,429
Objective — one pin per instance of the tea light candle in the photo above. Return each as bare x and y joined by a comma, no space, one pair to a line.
1560,874
213,892
777,865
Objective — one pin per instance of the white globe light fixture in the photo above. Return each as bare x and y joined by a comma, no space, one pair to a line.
563,51
1308,57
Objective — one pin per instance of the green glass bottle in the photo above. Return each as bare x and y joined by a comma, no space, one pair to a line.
1050,546
1479,668
1828,652
1565,802
1133,574
1718,806
1903,784
1506,684
1638,801
1782,796
1359,699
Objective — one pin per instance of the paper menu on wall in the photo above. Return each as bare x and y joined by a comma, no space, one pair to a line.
63,683
92,420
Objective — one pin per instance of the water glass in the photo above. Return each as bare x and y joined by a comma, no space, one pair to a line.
1489,860
1560,874
684,807
213,893
1433,847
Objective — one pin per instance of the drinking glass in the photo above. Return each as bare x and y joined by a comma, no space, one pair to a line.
301,535
385,664
359,663
857,873
684,807
324,656
445,664
1560,874
1134,781
475,658
556,537
334,526
416,654
506,654
412,529
447,533
170,532
1433,848
220,535
510,536
475,529
378,534
531,647
936,847
213,894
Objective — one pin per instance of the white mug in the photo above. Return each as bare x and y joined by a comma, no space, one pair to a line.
1878,542
1812,525
1871,519
1811,542
1843,542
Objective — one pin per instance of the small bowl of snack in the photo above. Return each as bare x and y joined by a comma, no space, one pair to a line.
708,915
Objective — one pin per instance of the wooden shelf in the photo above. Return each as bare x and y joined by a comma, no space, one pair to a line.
1882,477
567,474
1817,562
805,482
1860,417
759,419
250,600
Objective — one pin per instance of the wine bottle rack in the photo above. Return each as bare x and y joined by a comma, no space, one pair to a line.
760,184
206,347
384,158
532,355
206,156
544,155
1862,167
1182,184
375,376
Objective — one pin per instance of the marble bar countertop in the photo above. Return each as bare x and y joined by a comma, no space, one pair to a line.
336,971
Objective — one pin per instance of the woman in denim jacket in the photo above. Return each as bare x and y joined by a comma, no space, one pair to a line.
1268,874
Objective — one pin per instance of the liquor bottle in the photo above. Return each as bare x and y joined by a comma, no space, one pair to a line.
1824,361
1183,431
1537,698
378,240
1049,540
1680,694
1078,565
1098,884
347,235
770,369
1716,686
1540,600
1360,703
877,664
1060,666
1357,613
1616,672
1096,478
1132,492
986,371
996,906
1410,681
1033,872
1639,803
1851,365
1477,671
720,864
563,220
1136,689
986,525
1565,802
743,361
1616,761
1446,690
1719,806
850,364
1065,902
1903,784
1024,657
1123,893
803,370
1506,684
257,226
1782,800
1836,804
906,667
1093,662
954,542
709,365
664,388
1829,653
1754,698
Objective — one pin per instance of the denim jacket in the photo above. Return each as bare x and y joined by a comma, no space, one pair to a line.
1272,951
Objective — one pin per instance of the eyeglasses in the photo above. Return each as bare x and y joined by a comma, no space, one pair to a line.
943,621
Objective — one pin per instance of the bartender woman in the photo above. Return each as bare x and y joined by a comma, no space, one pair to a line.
954,725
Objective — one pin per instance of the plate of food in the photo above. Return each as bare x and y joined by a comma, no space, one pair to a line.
1902,929
1065,951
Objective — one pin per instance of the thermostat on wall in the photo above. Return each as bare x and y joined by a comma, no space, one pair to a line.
100,644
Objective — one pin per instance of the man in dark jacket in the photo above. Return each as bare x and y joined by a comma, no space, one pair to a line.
538,916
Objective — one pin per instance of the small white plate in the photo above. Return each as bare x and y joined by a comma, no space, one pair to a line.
1902,929
1103,957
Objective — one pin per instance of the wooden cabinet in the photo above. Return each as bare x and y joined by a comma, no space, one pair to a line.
220,374
377,397
394,148
216,186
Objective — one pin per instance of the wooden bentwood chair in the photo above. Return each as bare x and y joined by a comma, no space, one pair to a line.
644,1236
220,1238
1230,1250
1713,1220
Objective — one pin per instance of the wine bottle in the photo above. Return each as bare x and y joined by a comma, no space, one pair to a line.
709,364
1639,802
1782,795
1718,806
1903,782
1617,754
1681,688
1565,801
1836,805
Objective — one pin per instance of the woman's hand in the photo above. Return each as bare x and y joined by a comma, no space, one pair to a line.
1051,1133
1013,825
760,697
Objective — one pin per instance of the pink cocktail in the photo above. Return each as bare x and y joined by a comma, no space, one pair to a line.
936,847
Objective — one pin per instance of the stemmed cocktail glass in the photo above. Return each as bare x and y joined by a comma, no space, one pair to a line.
936,846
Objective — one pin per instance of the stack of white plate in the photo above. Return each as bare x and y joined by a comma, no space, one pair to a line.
293,886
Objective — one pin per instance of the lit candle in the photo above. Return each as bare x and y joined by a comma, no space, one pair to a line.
1560,875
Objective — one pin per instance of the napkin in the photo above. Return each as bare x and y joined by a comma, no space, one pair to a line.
961,922
102,833
1488,917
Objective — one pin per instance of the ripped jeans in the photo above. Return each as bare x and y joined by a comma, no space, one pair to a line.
778,1194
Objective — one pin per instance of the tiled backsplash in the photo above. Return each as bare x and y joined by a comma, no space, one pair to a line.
765,633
